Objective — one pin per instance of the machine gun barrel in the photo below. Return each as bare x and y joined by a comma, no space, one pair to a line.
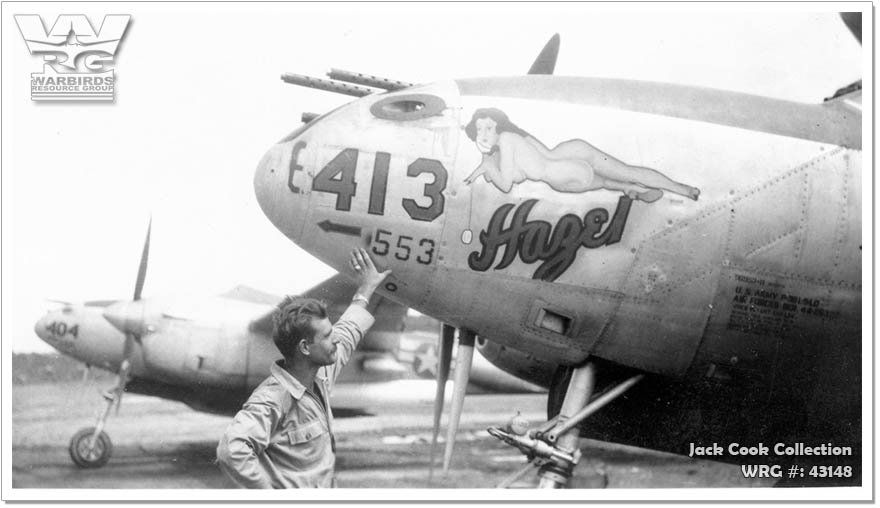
367,80
326,84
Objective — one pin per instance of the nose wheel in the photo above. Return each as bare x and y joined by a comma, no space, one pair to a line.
90,448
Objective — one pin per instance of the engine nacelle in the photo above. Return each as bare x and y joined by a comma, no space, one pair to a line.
208,355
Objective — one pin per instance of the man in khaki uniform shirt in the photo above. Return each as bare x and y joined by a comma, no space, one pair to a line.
282,437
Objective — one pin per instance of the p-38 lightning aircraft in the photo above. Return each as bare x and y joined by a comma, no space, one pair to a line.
211,352
692,255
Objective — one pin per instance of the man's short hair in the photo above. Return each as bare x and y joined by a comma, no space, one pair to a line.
293,322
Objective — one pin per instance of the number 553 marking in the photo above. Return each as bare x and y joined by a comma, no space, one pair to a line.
403,247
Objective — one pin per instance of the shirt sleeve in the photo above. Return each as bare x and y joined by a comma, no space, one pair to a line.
349,330
244,440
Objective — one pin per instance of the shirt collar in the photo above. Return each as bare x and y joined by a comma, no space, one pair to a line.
290,383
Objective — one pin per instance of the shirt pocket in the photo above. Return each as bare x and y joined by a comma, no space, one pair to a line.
306,432
309,445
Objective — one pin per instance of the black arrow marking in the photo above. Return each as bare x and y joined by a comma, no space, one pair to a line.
345,229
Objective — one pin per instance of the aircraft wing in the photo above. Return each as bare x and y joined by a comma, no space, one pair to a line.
333,291
329,291
251,295
336,292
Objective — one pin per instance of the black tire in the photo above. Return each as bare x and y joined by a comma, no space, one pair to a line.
79,448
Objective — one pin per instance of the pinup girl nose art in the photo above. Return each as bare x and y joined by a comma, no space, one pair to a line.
511,155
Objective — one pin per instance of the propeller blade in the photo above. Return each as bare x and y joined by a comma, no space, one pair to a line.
447,340
546,61
127,347
142,269
466,339
130,338
64,302
853,21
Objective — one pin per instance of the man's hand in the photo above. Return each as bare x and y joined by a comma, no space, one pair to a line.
366,273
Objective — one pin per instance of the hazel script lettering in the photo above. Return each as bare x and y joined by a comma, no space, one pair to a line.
537,240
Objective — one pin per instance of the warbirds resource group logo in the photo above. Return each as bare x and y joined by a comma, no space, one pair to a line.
74,56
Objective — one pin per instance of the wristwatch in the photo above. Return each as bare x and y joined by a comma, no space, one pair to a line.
360,298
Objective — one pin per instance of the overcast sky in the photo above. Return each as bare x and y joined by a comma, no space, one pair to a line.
199,100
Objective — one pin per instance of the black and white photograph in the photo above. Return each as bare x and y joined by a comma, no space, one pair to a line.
437,251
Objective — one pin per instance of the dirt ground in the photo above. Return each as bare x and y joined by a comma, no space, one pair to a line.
160,444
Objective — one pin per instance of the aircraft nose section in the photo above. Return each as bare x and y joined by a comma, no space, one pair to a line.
58,329
264,178
280,186
41,328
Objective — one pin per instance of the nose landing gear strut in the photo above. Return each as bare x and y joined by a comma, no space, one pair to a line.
553,447
90,447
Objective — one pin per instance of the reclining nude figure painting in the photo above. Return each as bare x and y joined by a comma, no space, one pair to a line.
512,155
